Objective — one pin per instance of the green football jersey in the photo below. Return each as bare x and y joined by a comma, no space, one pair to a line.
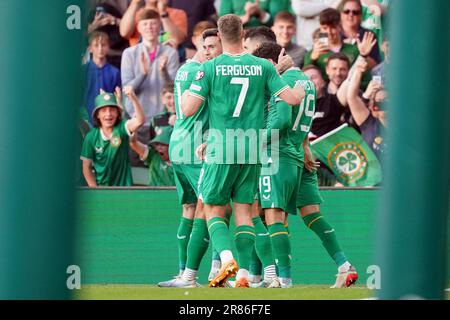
109,156
160,173
289,147
234,87
188,132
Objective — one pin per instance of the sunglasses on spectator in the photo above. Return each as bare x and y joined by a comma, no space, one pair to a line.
355,12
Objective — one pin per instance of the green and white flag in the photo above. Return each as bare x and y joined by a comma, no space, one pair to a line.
346,153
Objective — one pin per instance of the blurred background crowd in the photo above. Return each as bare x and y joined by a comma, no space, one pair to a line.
342,45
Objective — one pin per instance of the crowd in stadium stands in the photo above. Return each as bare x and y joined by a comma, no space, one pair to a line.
341,45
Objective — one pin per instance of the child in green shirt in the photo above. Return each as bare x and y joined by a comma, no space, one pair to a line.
106,146
156,156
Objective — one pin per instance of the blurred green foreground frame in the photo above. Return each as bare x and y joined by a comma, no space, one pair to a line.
41,93
412,228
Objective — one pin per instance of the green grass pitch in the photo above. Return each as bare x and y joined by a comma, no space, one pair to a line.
146,292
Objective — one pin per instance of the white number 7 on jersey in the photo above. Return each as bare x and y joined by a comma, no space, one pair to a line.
244,83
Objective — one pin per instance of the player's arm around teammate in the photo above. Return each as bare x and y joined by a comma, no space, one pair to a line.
293,96
190,104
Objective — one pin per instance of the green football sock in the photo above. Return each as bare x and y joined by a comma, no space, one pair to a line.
215,254
317,223
198,244
262,243
218,233
255,264
286,225
281,248
245,241
184,231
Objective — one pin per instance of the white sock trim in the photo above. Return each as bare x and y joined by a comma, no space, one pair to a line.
270,272
225,256
344,267
189,274
255,278
285,281
215,264
242,273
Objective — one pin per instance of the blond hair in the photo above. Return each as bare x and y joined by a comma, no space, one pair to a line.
230,28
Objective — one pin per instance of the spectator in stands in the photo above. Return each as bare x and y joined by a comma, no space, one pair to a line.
168,116
106,17
197,11
196,38
370,118
330,106
156,156
146,67
352,32
99,73
174,22
373,12
337,69
252,12
331,42
284,29
308,12
106,147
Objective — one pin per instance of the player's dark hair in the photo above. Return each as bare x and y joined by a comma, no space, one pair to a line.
212,32
268,50
147,14
96,120
98,35
330,17
339,56
284,16
168,87
261,34
230,28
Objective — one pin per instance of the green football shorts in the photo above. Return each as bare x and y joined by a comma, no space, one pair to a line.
279,190
308,192
220,183
186,180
